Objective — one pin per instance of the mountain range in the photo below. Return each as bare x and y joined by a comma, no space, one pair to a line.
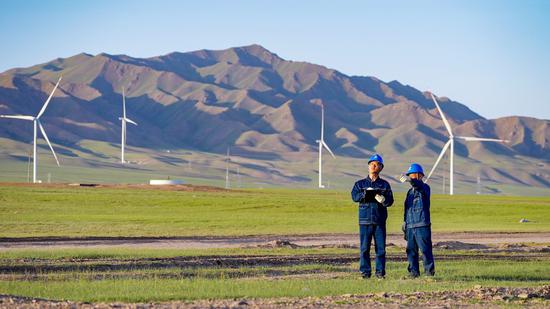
263,107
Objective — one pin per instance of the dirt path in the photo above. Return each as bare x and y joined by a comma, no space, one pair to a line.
41,266
339,240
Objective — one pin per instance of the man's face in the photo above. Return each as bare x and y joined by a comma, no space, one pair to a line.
416,176
375,167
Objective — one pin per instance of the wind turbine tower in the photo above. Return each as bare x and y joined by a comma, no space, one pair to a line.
37,125
124,120
451,144
322,144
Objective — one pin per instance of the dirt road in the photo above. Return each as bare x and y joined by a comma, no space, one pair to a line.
352,240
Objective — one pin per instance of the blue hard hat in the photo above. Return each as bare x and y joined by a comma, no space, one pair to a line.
415,168
376,157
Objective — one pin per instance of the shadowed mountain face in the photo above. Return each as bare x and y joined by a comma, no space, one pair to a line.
252,100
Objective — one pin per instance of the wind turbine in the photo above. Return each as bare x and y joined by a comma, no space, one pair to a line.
37,124
451,143
124,119
322,144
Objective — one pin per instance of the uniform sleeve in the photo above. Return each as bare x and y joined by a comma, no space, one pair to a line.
357,193
427,193
405,208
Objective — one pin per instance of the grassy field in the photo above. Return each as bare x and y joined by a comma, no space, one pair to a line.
456,276
133,281
150,275
82,212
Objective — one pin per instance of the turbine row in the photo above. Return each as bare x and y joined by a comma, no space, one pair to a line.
38,125
322,144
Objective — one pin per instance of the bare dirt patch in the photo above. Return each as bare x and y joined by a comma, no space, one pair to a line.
30,266
457,241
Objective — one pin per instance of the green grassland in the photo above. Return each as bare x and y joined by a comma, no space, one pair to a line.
91,274
455,277
37,211
146,284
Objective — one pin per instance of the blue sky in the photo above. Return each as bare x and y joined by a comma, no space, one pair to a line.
492,55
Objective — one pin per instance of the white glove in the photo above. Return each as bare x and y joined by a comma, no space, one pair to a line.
404,178
380,198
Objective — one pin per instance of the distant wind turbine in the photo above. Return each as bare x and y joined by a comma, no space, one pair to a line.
451,144
322,144
37,124
124,119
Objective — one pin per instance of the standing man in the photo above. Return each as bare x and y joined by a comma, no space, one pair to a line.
374,195
418,231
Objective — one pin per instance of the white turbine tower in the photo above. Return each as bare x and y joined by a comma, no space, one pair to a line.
124,119
322,144
37,124
450,144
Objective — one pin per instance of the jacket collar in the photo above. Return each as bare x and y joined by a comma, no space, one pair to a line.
368,178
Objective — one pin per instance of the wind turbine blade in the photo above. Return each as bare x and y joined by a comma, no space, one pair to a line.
481,139
131,121
447,125
23,117
439,159
48,141
326,146
48,100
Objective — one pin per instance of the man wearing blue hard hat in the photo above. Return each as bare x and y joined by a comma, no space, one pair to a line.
374,195
417,223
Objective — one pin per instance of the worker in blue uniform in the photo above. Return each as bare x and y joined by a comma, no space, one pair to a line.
374,196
